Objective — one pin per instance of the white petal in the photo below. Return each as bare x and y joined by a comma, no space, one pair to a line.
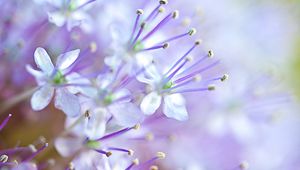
43,61
174,107
67,102
42,97
126,114
84,85
150,103
37,74
95,126
149,76
58,18
67,146
121,94
71,23
67,59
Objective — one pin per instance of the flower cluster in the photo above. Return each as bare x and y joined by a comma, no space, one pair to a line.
136,82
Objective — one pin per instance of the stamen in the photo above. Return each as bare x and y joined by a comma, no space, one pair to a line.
107,154
153,167
134,162
71,166
151,15
164,46
208,88
122,131
175,14
163,2
3,124
139,12
159,155
193,74
175,71
88,2
14,150
128,151
183,57
244,165
3,158
36,153
191,32
224,77
159,25
93,47
138,35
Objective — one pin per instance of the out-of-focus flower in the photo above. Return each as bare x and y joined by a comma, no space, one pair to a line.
70,12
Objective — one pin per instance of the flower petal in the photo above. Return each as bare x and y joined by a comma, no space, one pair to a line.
37,74
81,85
150,76
67,59
67,102
58,18
95,126
126,114
67,146
174,107
43,61
150,103
42,97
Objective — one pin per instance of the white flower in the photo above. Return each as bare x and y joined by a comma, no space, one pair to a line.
174,104
70,13
51,80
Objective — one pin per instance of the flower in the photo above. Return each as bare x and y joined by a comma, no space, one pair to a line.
69,12
53,79
170,86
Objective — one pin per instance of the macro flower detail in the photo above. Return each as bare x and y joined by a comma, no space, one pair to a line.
137,81
53,80
170,86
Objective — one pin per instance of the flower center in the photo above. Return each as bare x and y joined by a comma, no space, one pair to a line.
168,85
59,78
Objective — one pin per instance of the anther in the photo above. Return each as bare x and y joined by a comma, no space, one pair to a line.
149,136
108,154
175,14
198,42
244,165
163,2
161,10
87,114
42,139
166,45
210,53
197,78
161,155
32,148
224,77
211,87
143,24
192,31
189,58
140,12
153,167
137,126
136,161
71,166
130,152
3,158
93,47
